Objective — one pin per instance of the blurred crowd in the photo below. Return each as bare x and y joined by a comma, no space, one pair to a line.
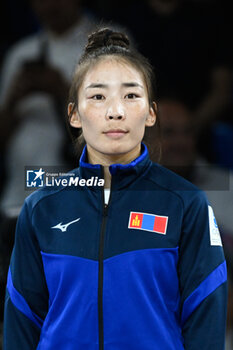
186,42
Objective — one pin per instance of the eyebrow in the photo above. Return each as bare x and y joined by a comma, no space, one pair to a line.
105,86
132,85
91,86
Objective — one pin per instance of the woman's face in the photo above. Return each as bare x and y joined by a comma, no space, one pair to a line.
113,108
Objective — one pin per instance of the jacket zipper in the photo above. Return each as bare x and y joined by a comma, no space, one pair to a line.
101,274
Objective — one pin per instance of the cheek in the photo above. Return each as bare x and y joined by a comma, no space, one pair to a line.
139,110
138,120
91,123
89,116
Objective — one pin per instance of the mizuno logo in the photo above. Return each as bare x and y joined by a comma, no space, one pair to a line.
63,227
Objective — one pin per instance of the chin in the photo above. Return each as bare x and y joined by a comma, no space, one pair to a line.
114,151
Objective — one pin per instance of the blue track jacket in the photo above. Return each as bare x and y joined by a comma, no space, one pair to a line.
147,272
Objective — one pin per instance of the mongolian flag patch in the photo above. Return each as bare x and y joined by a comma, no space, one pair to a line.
148,222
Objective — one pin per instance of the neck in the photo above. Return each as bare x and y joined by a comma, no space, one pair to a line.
107,177
95,157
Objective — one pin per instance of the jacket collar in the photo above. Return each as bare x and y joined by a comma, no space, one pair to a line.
122,174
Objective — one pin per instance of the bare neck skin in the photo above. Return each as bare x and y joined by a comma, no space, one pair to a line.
95,157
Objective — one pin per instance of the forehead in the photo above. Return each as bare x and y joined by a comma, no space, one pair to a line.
113,70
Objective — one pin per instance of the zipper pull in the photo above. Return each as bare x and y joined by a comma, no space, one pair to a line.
105,212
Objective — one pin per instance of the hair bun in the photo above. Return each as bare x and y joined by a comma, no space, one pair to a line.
106,37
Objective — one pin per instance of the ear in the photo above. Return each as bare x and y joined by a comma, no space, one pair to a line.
75,121
151,118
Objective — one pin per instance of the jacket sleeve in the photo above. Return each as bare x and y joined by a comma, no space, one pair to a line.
203,278
26,301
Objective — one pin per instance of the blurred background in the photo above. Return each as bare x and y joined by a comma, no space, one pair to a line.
188,44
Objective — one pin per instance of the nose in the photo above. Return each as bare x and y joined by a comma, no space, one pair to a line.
115,110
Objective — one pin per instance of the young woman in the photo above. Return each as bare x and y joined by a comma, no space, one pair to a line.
140,269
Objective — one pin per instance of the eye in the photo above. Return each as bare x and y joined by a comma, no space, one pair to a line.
131,96
97,97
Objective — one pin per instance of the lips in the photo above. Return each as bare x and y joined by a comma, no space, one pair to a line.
116,133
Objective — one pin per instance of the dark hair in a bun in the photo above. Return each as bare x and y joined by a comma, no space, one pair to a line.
104,38
102,43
